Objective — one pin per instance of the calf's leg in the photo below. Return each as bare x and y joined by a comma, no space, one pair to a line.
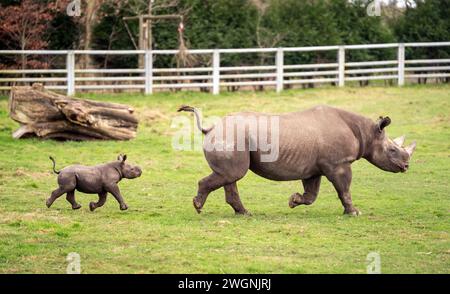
232,198
55,195
114,190
101,201
67,183
311,187
71,198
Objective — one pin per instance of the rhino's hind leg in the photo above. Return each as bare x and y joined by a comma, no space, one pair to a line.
67,183
232,198
205,186
101,201
341,178
228,168
311,187
55,195
71,198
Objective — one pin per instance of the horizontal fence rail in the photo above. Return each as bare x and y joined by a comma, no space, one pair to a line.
211,76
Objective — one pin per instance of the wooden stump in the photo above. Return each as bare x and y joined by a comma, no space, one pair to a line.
46,114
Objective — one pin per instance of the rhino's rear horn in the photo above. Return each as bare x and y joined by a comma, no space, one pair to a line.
383,122
399,141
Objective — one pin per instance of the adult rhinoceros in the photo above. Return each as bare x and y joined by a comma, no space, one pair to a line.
321,141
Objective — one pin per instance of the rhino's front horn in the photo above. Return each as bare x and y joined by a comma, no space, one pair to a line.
410,149
399,141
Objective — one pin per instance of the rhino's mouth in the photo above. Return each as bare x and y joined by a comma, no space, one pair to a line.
403,167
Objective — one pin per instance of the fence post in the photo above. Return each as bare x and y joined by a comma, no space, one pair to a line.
70,67
280,72
341,66
148,68
216,72
401,64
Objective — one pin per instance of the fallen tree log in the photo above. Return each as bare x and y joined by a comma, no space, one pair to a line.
46,114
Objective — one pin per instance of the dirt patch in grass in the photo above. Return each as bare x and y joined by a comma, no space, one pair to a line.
20,172
149,116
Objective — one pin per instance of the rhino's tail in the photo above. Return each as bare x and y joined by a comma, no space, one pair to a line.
54,170
197,116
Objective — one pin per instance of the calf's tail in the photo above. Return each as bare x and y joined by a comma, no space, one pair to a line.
54,170
197,116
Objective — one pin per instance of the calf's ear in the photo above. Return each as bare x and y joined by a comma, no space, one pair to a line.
382,123
124,158
120,157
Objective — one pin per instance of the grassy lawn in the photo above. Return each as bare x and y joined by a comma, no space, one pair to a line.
405,216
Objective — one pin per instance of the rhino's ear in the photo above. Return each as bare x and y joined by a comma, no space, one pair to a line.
124,157
120,157
382,123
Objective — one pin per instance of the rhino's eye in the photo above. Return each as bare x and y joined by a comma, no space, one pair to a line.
392,150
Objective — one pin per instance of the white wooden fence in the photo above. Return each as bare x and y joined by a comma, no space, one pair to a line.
215,76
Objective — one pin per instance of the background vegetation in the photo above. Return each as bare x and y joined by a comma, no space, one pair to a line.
229,24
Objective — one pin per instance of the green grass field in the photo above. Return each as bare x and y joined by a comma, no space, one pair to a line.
405,216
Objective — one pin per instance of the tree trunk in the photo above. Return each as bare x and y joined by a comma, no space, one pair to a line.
46,114
89,19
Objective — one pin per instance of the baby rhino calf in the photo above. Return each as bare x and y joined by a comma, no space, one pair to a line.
99,179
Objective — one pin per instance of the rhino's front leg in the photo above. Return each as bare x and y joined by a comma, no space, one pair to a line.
341,178
311,187
114,190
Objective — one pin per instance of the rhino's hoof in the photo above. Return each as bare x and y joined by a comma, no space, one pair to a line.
294,200
123,207
197,205
244,213
354,212
48,204
78,206
92,206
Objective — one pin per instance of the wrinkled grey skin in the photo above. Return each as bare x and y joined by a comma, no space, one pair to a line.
99,179
321,141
